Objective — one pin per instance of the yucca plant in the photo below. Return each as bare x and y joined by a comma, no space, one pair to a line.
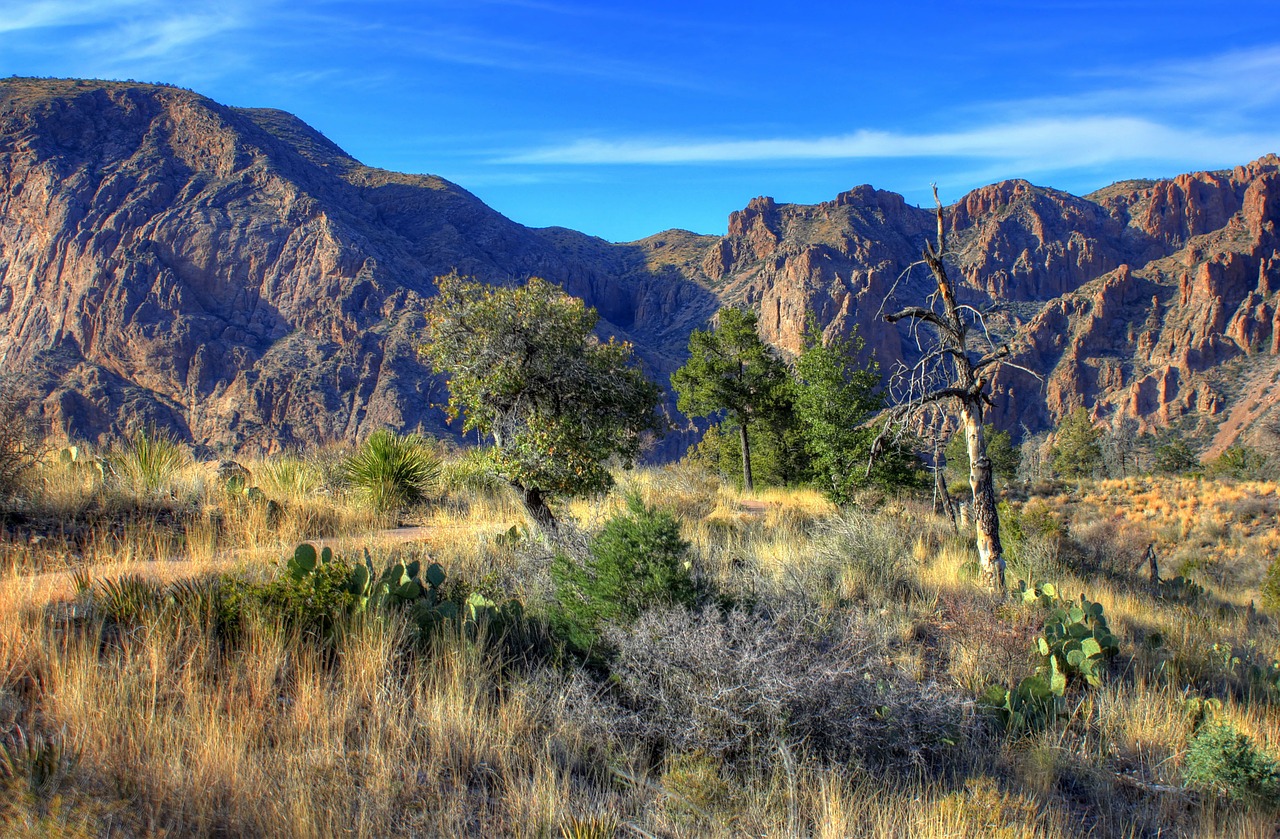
289,476
604,826
149,461
392,471
130,599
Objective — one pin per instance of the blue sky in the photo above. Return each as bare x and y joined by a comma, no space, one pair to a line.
622,120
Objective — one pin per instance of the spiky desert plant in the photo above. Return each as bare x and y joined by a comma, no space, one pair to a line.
392,471
289,476
149,461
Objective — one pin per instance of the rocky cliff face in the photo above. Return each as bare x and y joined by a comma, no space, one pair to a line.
232,275
1155,300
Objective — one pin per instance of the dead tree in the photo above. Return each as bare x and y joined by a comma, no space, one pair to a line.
951,377
941,494
931,433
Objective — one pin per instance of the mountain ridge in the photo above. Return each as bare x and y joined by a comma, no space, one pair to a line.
235,276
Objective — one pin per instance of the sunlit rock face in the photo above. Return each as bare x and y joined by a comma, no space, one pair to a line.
235,277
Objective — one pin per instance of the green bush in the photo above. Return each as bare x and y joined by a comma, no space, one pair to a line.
1222,759
315,597
1240,463
148,462
392,471
637,562
1174,457
18,442
1271,587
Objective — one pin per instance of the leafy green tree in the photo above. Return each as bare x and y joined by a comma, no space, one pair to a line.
731,372
1077,451
1173,457
1005,457
778,453
834,397
524,366
1241,463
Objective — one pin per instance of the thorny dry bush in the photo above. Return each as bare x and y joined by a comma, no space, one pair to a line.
745,687
18,441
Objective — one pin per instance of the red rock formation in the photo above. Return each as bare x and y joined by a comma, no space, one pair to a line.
235,276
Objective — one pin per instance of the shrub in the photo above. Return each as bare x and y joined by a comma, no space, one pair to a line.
1271,587
1174,458
1224,760
863,557
392,471
638,561
314,600
18,449
733,685
1241,463
149,462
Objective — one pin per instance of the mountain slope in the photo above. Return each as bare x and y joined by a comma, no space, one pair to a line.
1147,299
233,275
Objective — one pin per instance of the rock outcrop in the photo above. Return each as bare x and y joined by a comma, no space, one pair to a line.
234,276
1150,299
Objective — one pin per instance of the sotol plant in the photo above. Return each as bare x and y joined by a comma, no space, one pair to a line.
148,462
392,471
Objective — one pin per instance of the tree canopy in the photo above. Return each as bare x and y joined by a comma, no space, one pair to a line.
834,396
1077,451
730,370
524,366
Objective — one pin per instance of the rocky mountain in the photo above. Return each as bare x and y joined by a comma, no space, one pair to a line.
1155,300
233,275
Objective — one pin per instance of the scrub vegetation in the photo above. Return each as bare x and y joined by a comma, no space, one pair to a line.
679,658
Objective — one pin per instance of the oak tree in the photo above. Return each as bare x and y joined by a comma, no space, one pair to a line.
524,366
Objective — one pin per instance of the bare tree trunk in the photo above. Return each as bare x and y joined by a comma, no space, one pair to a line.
987,522
942,504
747,484
962,386
535,503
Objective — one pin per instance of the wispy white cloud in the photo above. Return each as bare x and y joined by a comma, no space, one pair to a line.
23,15
162,38
1062,142
1168,112
123,34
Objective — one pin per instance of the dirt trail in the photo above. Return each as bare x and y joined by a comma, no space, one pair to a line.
49,585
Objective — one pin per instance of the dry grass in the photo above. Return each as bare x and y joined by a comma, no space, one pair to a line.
166,728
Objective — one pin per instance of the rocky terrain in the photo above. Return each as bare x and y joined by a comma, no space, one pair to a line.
1155,300
232,275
